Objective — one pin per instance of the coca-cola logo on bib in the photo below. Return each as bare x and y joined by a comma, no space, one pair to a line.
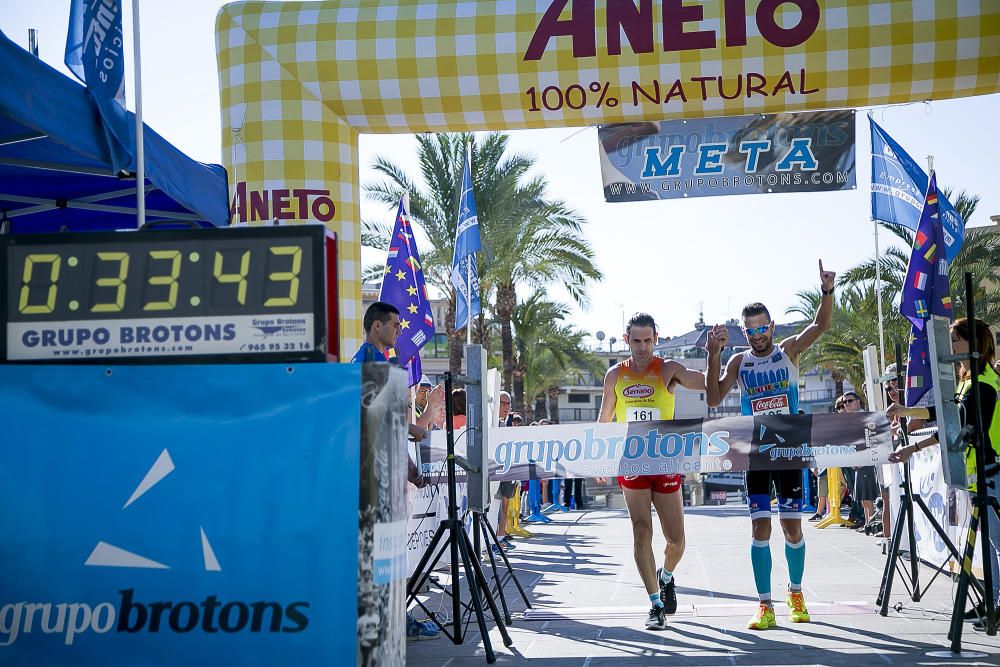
770,403
637,391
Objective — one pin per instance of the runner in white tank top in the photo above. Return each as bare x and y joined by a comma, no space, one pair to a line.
768,374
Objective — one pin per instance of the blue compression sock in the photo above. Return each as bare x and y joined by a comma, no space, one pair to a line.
795,556
666,575
760,558
655,599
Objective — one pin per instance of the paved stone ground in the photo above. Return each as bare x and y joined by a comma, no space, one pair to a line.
588,606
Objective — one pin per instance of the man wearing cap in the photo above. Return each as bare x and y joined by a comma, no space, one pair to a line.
423,390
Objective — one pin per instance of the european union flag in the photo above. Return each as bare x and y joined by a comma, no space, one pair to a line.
918,368
464,273
925,290
95,54
898,187
403,286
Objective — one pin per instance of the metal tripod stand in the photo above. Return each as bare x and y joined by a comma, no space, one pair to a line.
481,528
463,557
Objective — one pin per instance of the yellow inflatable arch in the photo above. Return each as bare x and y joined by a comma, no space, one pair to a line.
300,80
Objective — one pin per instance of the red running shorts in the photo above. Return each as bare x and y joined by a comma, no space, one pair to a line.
658,483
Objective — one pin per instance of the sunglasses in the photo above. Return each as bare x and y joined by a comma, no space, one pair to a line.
757,331
850,400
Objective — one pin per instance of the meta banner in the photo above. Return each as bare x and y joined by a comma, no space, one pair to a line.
788,152
164,515
682,446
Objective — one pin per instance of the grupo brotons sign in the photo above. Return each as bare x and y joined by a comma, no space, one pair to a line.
151,543
300,80
725,444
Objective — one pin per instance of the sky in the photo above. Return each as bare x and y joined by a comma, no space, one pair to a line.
672,258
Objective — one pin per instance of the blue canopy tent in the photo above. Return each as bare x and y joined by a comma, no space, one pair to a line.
55,164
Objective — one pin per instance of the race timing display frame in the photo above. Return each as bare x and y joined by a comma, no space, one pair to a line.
238,294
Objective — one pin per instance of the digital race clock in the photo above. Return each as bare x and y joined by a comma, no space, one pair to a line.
247,293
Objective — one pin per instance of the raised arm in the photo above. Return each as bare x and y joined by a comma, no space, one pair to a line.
795,345
610,400
718,384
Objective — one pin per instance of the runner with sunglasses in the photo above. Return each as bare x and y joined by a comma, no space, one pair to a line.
768,377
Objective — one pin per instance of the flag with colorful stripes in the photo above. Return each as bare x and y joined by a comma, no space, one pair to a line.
925,290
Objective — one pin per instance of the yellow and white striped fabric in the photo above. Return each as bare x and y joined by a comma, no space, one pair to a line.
300,80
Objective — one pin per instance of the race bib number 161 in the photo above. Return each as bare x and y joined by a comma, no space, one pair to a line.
642,414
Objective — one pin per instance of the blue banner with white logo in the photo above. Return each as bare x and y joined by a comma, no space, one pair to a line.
168,515
464,272
95,53
898,188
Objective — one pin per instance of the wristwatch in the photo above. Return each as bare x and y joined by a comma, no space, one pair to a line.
826,292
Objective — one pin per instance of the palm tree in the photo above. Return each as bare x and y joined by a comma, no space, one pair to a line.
546,350
539,246
441,158
528,239
854,328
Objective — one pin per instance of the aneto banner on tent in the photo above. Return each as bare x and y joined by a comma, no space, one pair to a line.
301,80
800,152
682,446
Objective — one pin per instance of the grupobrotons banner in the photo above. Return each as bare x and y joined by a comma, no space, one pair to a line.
725,444
802,152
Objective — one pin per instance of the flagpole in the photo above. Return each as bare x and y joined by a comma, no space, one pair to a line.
140,171
878,277
878,299
468,298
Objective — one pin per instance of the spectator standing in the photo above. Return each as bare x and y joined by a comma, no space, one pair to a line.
865,487
507,489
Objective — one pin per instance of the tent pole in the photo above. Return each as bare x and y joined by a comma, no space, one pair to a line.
140,171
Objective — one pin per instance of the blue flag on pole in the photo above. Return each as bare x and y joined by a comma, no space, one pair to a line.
95,49
403,286
464,273
925,289
898,187
918,368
